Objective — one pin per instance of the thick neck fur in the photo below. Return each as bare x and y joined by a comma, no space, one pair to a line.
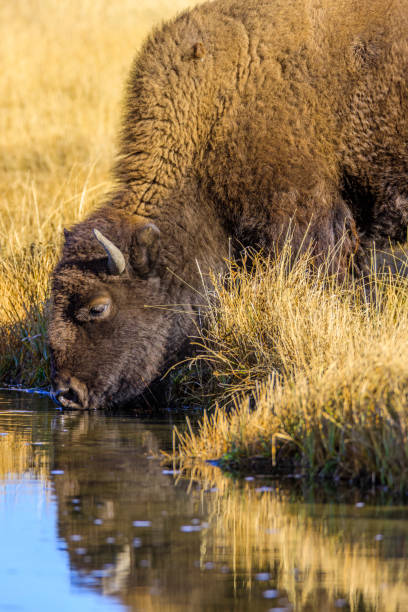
200,122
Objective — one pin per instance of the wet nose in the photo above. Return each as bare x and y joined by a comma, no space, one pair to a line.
69,392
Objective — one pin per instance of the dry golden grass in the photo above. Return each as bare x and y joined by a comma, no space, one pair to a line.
64,66
324,364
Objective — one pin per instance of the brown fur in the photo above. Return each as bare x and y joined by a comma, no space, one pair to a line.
243,117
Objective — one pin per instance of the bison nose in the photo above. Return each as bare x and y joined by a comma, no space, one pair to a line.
69,393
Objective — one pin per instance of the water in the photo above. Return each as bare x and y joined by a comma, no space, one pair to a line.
91,520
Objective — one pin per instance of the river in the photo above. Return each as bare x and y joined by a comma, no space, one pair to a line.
91,519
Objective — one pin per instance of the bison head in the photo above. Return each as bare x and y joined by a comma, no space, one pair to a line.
108,327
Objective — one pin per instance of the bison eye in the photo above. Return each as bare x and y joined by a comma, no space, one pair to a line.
96,311
99,310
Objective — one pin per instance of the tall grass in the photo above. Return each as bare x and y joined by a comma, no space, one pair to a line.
63,68
317,369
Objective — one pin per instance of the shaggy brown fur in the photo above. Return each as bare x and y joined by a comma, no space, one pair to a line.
243,117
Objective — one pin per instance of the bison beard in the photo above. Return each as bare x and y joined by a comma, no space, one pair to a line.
242,118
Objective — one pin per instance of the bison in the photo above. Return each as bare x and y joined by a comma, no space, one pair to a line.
242,118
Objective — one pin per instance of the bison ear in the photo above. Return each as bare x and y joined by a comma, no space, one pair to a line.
67,234
145,249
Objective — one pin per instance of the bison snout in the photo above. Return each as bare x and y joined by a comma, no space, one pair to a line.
69,392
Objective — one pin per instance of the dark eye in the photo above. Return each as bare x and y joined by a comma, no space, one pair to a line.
95,311
99,310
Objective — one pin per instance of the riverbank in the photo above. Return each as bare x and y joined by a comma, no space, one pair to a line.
309,375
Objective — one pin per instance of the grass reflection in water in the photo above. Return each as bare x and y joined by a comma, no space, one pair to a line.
317,561
20,454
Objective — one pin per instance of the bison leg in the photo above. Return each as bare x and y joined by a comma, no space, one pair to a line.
320,223
333,241
390,221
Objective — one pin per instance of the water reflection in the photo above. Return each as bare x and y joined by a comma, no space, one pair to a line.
132,535
320,556
129,529
22,449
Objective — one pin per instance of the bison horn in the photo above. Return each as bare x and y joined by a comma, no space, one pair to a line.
116,261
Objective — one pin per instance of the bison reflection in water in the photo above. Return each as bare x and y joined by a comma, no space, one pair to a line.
242,119
120,516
